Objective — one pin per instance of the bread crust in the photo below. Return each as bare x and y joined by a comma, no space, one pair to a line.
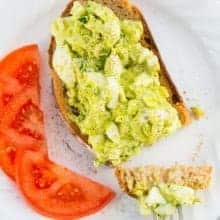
123,9
196,177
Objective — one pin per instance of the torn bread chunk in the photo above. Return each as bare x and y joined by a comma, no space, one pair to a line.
161,190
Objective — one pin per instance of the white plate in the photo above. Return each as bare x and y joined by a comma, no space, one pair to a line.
188,35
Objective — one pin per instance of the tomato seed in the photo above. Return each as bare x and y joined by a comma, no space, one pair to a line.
7,98
69,192
11,151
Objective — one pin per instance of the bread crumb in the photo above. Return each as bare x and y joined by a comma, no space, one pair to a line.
197,151
197,112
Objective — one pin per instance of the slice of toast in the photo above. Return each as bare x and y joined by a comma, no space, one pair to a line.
196,177
124,10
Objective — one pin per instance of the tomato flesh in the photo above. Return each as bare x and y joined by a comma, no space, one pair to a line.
27,74
57,192
29,120
6,98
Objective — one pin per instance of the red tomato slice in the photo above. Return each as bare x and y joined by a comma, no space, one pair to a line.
57,192
21,121
19,93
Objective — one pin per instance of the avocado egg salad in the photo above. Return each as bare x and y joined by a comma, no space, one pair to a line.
165,198
160,190
112,82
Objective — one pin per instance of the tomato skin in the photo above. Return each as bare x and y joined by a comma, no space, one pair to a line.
57,192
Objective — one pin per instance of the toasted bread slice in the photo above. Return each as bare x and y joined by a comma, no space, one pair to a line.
196,177
123,9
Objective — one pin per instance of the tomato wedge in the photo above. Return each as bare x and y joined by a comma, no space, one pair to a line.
57,192
21,120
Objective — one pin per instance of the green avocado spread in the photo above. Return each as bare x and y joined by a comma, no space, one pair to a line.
112,82
165,198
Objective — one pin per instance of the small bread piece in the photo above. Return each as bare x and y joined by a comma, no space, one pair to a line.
196,177
124,10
